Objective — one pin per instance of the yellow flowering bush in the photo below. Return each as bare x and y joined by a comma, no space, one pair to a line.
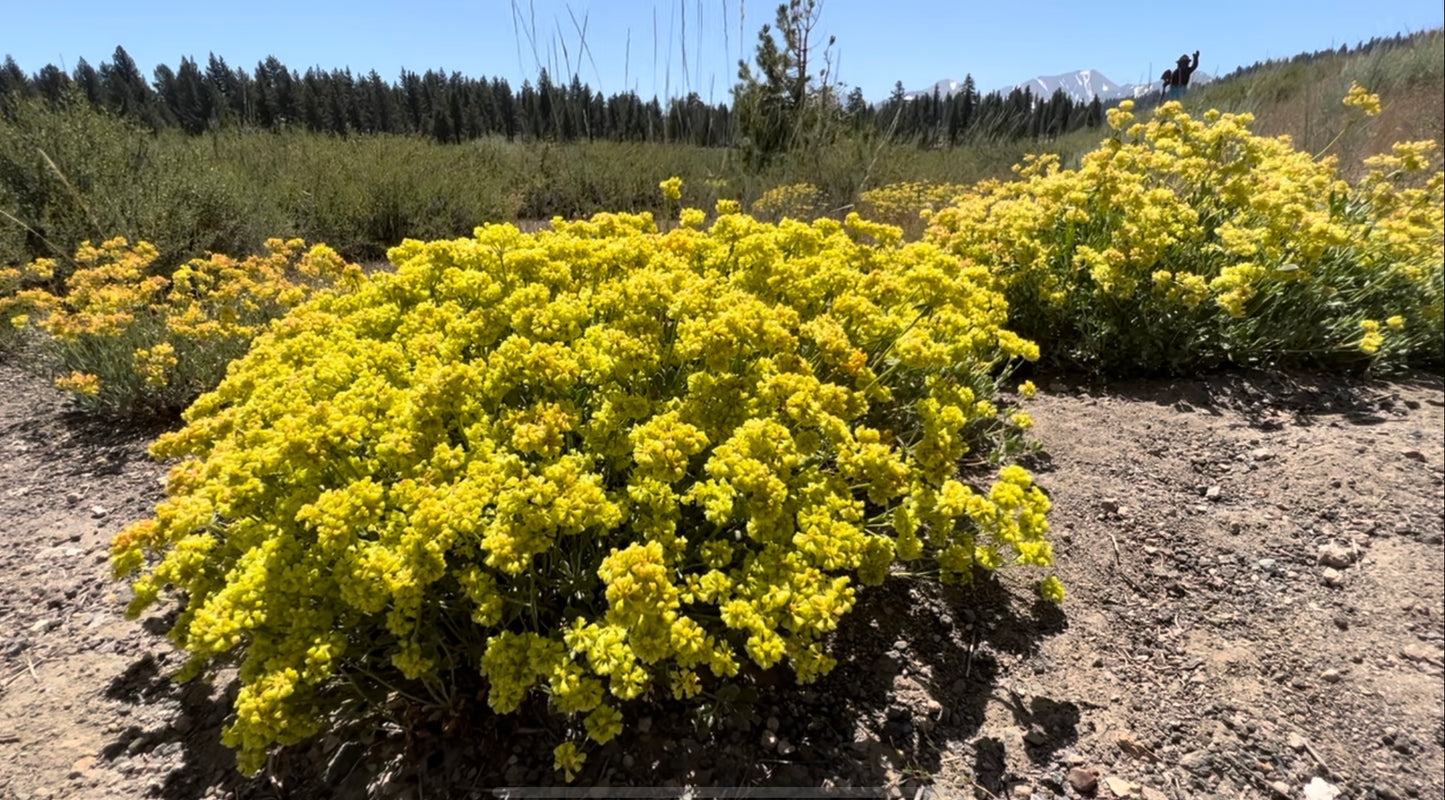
789,201
19,287
132,342
1183,243
908,205
595,464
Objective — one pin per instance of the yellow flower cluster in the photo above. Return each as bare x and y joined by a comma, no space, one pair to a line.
1183,242
908,205
592,463
790,201
1359,97
19,289
136,342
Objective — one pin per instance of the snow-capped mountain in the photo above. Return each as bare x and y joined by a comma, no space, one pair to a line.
1083,86
1086,84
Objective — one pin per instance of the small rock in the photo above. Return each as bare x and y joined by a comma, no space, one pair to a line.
45,625
72,498
1262,454
1213,493
1083,780
1332,676
1267,564
1296,743
785,747
1281,788
1414,455
1133,747
773,724
1387,792
14,647
769,740
1110,505
1332,577
81,767
1197,762
1022,791
1122,788
98,512
1150,793
1036,737
1336,556
1320,789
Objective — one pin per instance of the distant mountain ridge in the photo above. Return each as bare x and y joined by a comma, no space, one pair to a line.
1082,86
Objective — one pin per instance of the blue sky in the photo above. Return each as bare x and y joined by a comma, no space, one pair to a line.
668,47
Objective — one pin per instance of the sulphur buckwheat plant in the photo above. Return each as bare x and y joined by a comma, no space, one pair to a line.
133,342
1184,243
593,465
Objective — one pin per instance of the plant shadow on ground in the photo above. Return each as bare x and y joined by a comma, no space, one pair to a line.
1268,399
190,733
918,663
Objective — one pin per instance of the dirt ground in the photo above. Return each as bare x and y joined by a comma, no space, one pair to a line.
1254,565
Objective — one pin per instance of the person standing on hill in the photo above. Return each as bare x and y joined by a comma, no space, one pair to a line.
1180,76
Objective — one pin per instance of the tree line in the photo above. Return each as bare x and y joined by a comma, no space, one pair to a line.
196,98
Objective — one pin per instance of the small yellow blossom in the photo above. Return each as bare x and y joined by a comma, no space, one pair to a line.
1359,97
568,760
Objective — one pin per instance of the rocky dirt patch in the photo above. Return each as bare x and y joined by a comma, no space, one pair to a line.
1256,600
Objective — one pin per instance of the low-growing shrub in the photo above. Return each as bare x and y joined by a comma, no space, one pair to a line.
908,204
1187,243
126,341
790,201
594,464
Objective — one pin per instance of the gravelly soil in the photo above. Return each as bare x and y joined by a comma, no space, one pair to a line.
1204,651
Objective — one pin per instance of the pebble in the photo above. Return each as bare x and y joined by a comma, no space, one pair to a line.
1122,788
1332,577
1084,781
1281,788
1332,676
1262,454
45,625
1320,789
1335,555
1197,762
1414,455
99,512
1296,742
1213,493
